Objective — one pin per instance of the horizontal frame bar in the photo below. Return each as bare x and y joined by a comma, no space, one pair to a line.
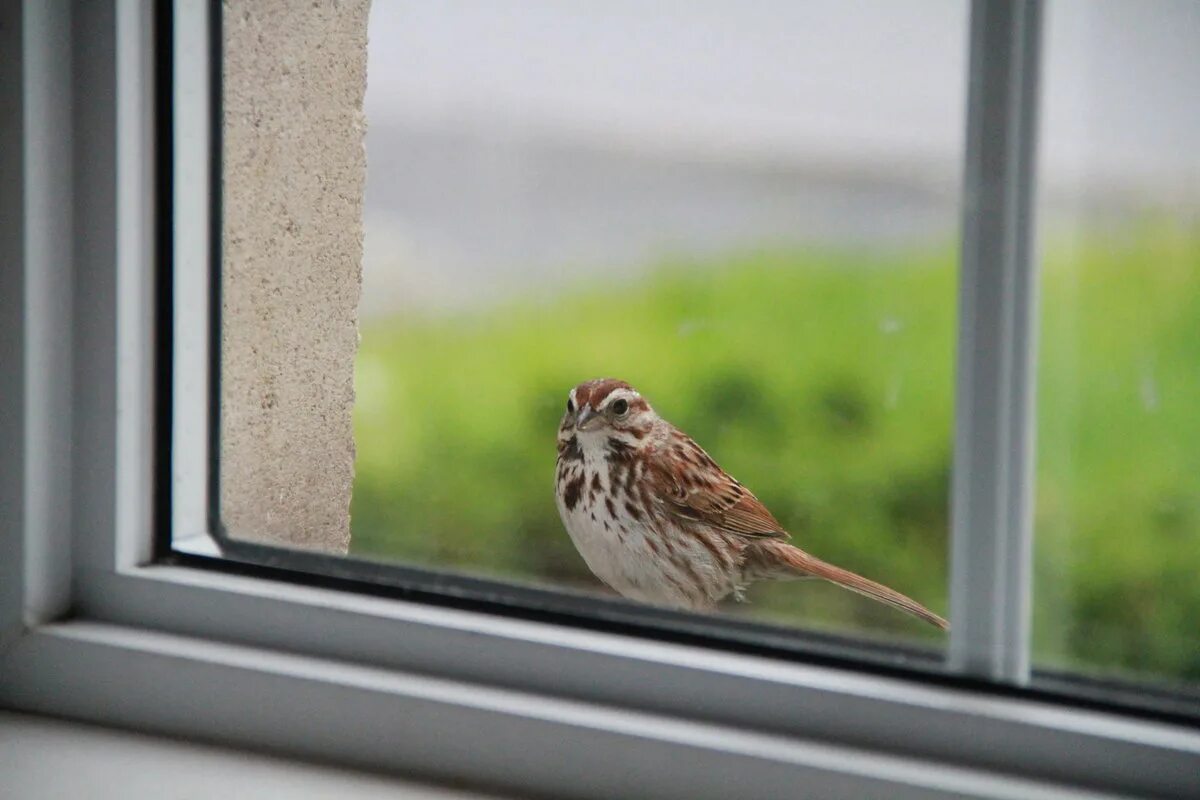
444,730
969,726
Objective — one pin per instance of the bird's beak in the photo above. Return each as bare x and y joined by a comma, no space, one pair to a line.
586,414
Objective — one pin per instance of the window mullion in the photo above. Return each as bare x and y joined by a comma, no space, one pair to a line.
994,425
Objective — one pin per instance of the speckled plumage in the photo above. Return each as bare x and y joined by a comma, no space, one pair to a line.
658,520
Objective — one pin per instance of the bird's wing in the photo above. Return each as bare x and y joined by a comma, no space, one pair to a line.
694,487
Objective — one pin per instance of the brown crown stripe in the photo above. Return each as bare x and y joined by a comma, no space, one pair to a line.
594,392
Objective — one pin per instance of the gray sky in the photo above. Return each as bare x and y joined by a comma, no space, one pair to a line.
771,76
522,143
854,79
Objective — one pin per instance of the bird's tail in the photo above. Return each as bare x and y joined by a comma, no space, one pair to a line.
804,564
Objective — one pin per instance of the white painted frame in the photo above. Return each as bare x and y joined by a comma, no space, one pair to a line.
992,485
90,629
190,397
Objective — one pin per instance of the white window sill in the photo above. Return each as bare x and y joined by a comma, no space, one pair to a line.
109,764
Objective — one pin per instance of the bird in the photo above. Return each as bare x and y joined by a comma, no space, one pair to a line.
658,521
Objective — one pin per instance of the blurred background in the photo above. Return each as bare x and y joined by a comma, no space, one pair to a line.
751,212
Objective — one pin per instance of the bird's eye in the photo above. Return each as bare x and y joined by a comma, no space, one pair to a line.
620,407
570,406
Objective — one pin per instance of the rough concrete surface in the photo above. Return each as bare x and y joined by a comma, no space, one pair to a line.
293,174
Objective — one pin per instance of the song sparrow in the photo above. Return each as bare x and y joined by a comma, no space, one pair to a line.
657,520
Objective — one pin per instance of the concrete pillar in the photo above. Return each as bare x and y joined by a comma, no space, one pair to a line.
293,173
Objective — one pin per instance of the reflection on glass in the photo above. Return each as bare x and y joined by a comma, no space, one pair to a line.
1118,482
750,215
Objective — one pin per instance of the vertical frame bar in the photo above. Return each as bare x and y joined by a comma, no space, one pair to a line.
162,332
48,219
114,220
12,322
192,184
94,232
138,216
36,358
991,539
50,149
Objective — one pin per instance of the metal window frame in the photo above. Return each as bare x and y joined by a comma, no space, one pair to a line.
992,481
94,629
193,347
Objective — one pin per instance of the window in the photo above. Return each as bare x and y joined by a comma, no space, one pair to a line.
753,225
108,441
749,225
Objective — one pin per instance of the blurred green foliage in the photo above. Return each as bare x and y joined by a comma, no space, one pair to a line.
823,379
1117,534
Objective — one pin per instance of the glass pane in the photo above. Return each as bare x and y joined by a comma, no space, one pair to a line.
750,215
748,212
1118,486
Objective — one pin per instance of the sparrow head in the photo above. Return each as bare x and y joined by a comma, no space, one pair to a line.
606,407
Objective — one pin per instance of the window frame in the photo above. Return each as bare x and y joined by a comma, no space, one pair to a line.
92,627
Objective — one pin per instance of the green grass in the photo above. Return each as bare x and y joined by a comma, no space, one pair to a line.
823,379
